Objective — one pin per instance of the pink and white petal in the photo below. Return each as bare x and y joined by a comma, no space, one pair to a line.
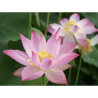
55,26
28,72
18,72
89,24
67,47
51,41
62,32
65,67
94,40
74,28
83,43
88,30
35,76
64,59
57,47
63,21
81,39
74,17
56,76
68,38
18,56
27,45
35,39
46,63
82,22
51,30
42,44
35,59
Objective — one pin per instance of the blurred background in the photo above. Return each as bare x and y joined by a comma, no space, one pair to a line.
11,24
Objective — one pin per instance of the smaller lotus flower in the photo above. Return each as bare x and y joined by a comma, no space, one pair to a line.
49,58
91,43
74,27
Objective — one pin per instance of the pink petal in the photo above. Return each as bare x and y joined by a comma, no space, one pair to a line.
27,45
74,29
81,39
90,24
65,67
64,59
83,22
51,30
51,41
82,42
74,17
68,38
35,59
55,26
94,40
57,47
56,76
46,63
67,47
31,73
42,44
18,72
18,56
63,21
35,39
88,30
62,32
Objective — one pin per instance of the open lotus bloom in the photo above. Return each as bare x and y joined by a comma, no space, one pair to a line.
74,28
91,43
49,58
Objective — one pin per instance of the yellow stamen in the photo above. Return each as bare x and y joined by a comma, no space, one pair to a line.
41,55
68,25
71,22
44,54
86,50
30,61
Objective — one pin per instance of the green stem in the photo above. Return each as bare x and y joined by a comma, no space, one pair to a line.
59,17
47,21
78,71
74,64
37,18
69,76
43,79
30,19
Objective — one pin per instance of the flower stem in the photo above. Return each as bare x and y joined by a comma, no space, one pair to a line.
59,17
74,64
30,19
43,79
69,76
37,18
48,14
78,71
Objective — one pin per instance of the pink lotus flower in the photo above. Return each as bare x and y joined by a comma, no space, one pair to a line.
74,27
91,42
40,58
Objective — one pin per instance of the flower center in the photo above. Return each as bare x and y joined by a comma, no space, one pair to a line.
71,22
85,50
41,55
44,54
68,25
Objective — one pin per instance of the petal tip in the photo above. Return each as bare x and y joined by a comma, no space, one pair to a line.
20,34
2,51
